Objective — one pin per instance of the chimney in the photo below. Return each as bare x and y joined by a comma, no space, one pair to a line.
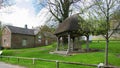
26,26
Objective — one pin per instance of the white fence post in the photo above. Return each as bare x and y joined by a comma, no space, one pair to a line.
33,60
57,64
101,65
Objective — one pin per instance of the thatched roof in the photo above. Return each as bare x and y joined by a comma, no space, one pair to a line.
68,25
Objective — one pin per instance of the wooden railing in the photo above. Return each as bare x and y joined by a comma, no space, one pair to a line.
56,61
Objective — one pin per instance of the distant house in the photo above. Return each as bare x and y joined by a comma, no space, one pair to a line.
44,38
16,37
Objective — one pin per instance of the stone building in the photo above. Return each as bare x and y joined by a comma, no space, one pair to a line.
17,37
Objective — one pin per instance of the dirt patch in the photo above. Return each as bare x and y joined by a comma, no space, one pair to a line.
76,51
85,51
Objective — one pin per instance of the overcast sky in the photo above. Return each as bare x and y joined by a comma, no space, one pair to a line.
23,12
27,12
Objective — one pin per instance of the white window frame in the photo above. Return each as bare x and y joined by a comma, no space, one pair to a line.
24,42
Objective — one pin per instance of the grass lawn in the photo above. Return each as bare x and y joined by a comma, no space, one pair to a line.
43,52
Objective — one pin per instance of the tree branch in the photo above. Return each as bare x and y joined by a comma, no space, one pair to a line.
101,8
55,16
114,30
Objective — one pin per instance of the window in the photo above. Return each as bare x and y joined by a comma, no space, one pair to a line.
46,42
4,40
24,42
39,39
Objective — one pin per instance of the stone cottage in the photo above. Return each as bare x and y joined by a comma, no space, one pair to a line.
16,37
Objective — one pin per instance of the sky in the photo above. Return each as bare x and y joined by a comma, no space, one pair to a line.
26,12
23,12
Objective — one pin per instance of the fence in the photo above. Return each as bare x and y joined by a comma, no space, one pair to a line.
56,61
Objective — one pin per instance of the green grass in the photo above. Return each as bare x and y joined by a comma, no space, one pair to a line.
43,52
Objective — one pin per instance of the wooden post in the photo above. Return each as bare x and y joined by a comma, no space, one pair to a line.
62,43
73,40
8,58
57,64
68,43
58,44
33,60
18,60
79,44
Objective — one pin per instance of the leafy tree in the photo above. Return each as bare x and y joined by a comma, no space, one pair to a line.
104,9
46,29
86,28
0,29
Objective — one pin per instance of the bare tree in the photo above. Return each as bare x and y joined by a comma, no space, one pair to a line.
60,9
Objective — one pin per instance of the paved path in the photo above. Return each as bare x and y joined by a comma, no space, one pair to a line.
5,65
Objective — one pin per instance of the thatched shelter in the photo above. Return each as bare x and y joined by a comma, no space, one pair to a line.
69,28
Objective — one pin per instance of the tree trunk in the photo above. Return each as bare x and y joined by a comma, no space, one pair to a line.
106,50
107,35
87,43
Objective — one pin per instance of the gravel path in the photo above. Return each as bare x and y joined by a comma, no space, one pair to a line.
5,65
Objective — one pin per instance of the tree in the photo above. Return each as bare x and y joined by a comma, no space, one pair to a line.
0,29
87,32
60,9
86,28
116,15
104,10
44,29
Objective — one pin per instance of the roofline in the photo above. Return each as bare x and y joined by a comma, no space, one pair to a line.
23,34
7,28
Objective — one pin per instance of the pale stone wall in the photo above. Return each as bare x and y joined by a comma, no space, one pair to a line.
6,38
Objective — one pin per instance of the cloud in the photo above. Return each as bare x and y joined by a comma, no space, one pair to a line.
20,14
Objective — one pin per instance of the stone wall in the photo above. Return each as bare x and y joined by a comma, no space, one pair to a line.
43,41
6,38
17,41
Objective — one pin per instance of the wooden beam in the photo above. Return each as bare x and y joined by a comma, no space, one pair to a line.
73,41
62,43
58,44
